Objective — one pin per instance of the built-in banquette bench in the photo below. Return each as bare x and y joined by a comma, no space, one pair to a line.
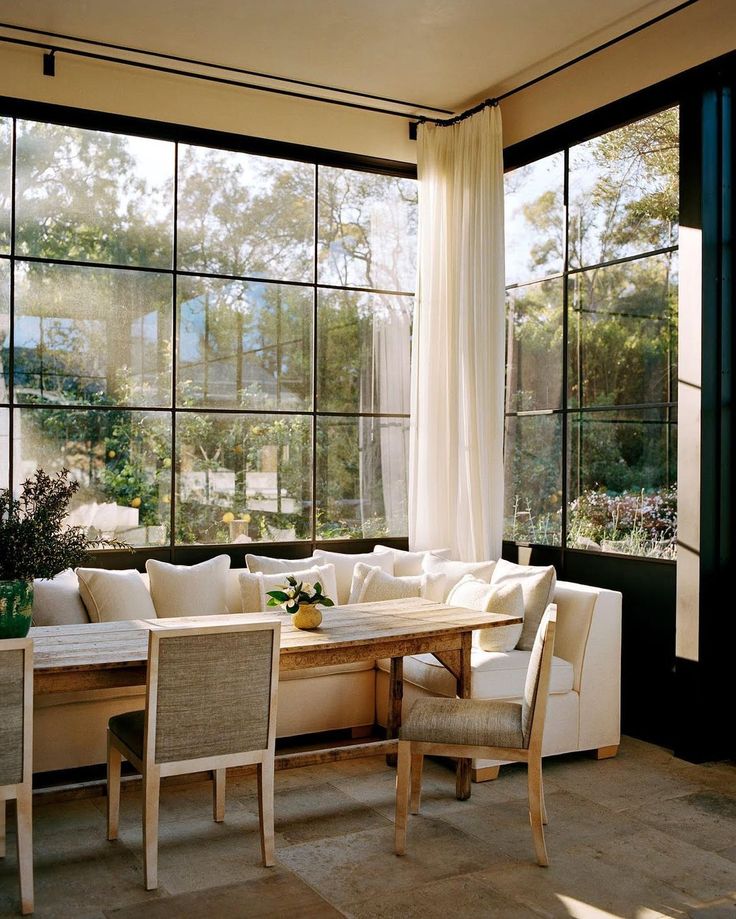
583,712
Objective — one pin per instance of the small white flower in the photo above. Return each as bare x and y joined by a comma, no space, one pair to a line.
307,588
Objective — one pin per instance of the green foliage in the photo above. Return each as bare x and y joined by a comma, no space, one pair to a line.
34,542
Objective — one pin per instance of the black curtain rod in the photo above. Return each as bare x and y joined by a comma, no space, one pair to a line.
53,49
544,76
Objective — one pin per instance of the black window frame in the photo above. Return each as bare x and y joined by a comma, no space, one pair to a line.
73,117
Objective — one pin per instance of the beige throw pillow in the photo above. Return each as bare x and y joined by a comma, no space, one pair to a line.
189,590
508,599
377,585
110,596
538,586
410,563
254,585
267,565
57,601
345,563
455,571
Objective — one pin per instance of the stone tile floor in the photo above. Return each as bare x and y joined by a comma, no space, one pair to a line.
640,836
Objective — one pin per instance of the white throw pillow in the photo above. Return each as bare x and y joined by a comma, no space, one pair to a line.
267,565
345,563
377,586
429,585
508,599
455,571
409,563
189,590
538,586
56,601
255,585
114,595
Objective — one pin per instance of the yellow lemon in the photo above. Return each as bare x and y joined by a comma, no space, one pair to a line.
228,517
136,502
167,463
112,454
245,518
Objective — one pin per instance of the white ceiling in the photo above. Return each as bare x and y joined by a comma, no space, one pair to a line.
444,53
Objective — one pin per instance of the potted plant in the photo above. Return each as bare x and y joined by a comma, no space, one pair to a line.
35,543
300,599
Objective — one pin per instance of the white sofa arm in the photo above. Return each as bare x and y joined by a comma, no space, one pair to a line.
600,676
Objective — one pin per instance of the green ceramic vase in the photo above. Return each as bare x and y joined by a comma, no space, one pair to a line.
16,603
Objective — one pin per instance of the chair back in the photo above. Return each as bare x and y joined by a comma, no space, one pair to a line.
16,711
211,690
536,688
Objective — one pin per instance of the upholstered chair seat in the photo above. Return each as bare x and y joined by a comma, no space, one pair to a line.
130,728
475,722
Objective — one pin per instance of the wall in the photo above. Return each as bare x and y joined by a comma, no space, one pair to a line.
106,87
696,34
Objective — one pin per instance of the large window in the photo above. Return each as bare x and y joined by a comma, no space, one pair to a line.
591,375
215,343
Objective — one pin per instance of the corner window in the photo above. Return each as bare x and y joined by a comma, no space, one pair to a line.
591,370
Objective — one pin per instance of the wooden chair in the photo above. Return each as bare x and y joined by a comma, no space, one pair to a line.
484,729
16,754
210,703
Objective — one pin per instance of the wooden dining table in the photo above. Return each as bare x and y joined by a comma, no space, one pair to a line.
72,658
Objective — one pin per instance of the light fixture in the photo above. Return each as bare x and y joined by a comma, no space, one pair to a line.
49,64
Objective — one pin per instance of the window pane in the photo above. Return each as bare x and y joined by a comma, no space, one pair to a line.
533,479
623,333
363,352
94,196
624,191
622,482
535,219
4,447
244,344
4,330
92,335
367,230
243,478
245,215
6,154
361,477
121,459
534,346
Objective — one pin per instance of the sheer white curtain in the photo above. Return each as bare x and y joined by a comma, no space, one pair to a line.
456,449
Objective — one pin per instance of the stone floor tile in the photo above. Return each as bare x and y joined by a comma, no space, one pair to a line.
704,818
504,826
579,885
363,866
76,876
724,909
702,875
625,782
306,814
469,896
280,893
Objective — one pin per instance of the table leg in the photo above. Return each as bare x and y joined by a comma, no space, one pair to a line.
463,775
395,697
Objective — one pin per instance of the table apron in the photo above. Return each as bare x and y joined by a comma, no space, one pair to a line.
381,648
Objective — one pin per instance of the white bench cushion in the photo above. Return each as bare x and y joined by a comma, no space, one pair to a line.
496,674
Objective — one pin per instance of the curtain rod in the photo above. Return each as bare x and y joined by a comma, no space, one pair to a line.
52,49
456,119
